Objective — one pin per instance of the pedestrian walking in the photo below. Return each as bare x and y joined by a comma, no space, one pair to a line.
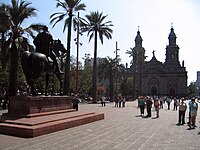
181,113
168,103
116,101
75,102
149,106
157,107
103,101
120,101
141,104
193,113
161,102
123,102
175,103
189,115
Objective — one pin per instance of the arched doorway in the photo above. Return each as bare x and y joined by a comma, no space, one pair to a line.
153,86
171,88
172,92
154,90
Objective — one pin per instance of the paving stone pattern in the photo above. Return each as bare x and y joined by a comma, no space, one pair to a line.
122,129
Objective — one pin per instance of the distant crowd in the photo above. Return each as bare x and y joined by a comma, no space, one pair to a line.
157,103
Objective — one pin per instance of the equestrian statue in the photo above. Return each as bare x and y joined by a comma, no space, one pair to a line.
44,60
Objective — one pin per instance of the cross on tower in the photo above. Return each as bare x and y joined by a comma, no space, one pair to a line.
171,24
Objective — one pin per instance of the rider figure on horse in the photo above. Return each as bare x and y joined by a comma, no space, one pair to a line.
43,43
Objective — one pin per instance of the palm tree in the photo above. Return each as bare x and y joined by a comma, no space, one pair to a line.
105,71
94,25
131,53
17,13
111,69
69,6
138,58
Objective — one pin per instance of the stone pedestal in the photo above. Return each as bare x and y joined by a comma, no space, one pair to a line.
26,105
33,116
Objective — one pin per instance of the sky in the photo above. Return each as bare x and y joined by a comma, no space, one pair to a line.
154,19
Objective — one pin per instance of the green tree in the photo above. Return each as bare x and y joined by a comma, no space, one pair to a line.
70,7
105,71
111,69
118,72
127,86
131,54
85,77
4,27
17,13
138,58
191,89
73,74
94,24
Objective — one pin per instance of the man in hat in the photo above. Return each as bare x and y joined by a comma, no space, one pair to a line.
43,43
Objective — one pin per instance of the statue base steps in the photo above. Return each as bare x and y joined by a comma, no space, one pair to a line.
48,120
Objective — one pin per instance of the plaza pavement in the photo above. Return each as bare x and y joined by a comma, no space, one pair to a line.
122,129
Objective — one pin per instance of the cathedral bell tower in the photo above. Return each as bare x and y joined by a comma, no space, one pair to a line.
139,50
138,40
172,50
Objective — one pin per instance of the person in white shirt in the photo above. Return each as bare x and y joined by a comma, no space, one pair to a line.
182,110
103,101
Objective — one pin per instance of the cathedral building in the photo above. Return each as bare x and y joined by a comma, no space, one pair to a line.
157,78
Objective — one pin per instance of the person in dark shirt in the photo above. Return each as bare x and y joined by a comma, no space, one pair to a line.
75,102
149,105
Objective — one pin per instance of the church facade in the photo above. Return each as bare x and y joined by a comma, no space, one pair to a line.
168,78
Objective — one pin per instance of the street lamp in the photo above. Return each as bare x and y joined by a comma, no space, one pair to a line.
116,64
77,43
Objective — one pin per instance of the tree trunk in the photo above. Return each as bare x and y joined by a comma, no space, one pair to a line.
3,51
111,84
66,88
94,77
14,60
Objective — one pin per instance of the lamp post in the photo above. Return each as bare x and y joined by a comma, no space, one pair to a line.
77,43
116,64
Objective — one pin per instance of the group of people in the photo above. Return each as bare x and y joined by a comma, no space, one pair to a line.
147,102
120,101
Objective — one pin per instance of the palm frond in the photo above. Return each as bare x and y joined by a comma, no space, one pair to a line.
94,22
57,19
69,7
80,7
91,36
65,24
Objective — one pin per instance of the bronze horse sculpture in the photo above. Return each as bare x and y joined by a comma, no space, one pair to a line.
34,64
